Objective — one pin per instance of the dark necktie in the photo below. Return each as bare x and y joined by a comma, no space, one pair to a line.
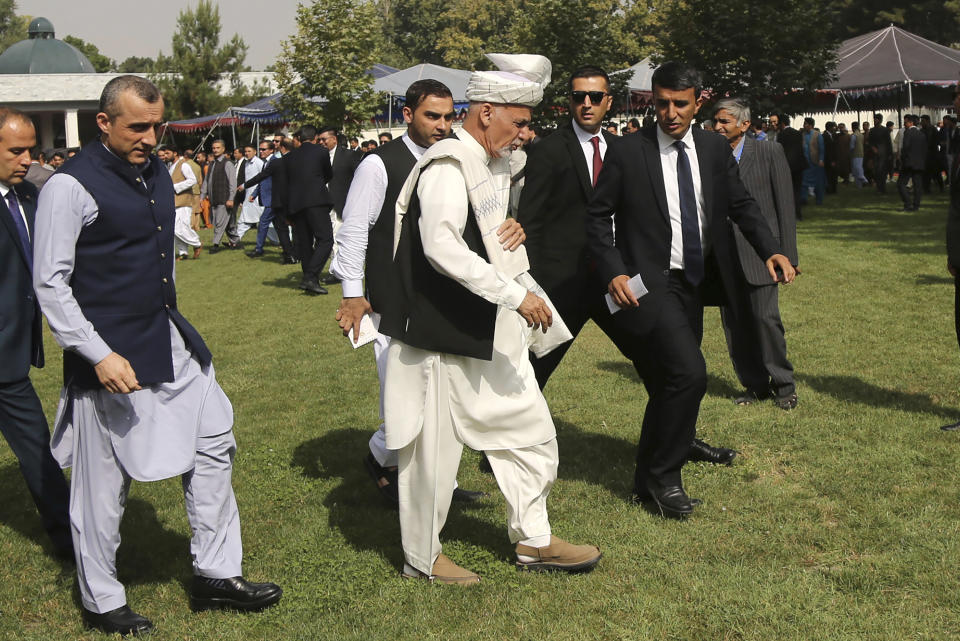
21,226
689,221
597,160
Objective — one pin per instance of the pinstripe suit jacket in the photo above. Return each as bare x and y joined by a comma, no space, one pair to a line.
766,175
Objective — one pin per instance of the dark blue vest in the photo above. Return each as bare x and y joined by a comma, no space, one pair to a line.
123,276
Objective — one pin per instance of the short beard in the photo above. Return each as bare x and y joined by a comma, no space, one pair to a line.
505,152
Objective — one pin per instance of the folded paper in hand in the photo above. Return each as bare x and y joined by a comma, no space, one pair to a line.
368,330
636,286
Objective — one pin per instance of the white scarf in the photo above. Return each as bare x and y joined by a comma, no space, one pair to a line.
490,210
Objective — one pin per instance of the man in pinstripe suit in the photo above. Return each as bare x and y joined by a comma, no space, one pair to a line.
755,337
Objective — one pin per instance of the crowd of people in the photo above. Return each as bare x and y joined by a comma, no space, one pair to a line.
472,261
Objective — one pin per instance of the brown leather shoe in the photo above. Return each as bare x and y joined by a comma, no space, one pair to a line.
196,252
444,571
558,556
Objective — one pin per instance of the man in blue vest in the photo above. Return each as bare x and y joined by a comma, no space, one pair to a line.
140,398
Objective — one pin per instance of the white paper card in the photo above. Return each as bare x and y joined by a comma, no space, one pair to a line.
636,286
368,330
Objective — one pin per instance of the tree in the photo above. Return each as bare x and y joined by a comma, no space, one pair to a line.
13,27
610,34
136,64
189,77
336,43
740,54
411,29
99,61
475,27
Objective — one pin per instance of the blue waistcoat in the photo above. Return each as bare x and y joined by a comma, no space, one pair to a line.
123,275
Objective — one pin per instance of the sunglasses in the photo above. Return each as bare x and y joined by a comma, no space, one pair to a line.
264,149
595,96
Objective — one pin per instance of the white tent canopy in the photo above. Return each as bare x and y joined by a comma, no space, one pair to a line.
641,75
396,83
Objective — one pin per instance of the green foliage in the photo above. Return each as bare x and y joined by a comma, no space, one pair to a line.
13,27
753,50
322,71
572,33
136,64
475,27
189,77
100,62
411,29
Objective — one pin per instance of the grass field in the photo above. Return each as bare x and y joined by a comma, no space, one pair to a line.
840,520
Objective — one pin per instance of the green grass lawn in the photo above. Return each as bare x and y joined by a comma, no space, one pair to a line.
840,520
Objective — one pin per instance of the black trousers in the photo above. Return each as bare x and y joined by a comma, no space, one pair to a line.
283,233
314,236
25,428
956,306
907,175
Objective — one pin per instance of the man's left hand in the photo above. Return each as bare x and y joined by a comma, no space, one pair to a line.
511,234
781,262
350,313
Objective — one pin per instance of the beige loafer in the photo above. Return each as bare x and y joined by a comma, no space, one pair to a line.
444,571
559,556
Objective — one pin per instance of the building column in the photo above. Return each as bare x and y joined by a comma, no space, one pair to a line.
71,128
46,130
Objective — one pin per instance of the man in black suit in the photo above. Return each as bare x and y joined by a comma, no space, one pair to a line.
953,239
308,203
913,158
879,140
755,335
792,142
669,191
344,163
21,345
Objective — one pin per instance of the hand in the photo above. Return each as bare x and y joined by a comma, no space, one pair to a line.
239,188
621,293
116,374
783,263
952,270
350,313
251,199
536,312
229,204
511,234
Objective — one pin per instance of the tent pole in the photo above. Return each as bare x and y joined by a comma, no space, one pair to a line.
836,103
910,93
390,113
233,131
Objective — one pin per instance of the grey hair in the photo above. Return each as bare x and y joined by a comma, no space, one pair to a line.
736,107
141,87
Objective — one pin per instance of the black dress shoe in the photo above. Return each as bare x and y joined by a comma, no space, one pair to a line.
311,286
330,279
787,402
749,397
385,478
643,496
671,500
214,249
289,260
121,621
468,496
236,593
952,427
700,451
255,254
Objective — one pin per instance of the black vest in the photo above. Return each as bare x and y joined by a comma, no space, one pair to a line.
437,313
383,282
219,183
123,275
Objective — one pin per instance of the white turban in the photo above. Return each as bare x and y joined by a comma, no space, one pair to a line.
520,81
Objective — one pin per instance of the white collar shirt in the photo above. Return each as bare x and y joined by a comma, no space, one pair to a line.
585,137
668,163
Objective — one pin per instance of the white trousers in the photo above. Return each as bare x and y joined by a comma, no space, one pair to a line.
336,223
243,228
428,470
98,495
378,442
184,235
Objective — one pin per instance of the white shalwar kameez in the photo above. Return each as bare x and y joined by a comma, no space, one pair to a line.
437,402
250,211
180,428
184,235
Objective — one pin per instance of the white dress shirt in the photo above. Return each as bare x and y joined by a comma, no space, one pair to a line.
360,214
584,137
4,188
189,178
668,162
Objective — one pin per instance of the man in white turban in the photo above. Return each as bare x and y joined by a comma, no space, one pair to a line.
458,370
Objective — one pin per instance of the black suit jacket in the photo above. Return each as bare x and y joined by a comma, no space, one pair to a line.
953,218
631,193
792,142
21,342
553,209
308,171
913,149
344,164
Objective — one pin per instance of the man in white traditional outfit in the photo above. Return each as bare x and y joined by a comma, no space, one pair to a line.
457,367
140,399
184,180
251,210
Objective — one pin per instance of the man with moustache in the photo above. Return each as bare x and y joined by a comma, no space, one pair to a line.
669,191
457,366
366,246
220,187
21,342
140,398
184,180
755,335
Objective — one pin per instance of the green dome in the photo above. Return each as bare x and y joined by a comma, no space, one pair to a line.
42,53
